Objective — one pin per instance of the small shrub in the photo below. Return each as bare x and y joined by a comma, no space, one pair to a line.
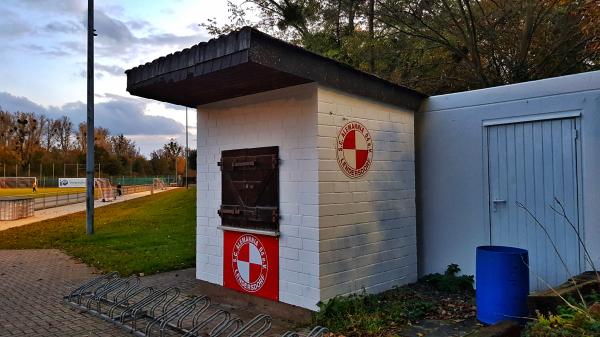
576,324
416,310
568,321
449,281
388,313
363,314
350,314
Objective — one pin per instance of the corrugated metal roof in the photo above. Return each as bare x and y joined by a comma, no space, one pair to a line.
248,61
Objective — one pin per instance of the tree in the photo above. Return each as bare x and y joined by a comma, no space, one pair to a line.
440,46
63,131
110,165
164,160
159,162
192,156
284,14
371,19
124,150
485,43
82,137
7,130
27,136
48,133
30,139
172,149
101,137
141,166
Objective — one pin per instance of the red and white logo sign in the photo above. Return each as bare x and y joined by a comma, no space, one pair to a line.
354,149
250,263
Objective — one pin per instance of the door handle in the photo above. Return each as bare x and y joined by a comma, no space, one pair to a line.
496,202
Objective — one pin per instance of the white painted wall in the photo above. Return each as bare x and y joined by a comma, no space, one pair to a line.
338,235
286,118
367,225
451,196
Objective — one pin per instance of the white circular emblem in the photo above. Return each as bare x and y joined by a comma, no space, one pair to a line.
250,264
354,149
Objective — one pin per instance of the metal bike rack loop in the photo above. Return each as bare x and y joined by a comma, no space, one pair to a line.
145,311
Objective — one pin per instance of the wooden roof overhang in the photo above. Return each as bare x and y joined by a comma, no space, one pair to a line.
248,61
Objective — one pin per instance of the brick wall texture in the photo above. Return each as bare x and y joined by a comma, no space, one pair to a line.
367,226
286,118
338,235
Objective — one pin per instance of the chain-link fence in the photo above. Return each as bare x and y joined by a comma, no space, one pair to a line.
13,208
47,174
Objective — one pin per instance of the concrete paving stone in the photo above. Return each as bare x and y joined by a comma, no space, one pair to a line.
33,282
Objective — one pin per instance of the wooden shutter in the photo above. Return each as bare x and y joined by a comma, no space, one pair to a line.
250,188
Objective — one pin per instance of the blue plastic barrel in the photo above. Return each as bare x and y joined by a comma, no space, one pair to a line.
502,284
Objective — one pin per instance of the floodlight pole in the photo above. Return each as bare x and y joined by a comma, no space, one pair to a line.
89,164
187,149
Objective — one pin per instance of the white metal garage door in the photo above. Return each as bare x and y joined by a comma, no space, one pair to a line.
531,163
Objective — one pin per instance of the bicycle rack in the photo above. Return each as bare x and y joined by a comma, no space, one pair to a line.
145,311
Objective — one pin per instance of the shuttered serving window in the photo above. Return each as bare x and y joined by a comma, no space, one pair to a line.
250,188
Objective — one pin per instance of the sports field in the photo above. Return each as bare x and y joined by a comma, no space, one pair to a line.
149,234
41,191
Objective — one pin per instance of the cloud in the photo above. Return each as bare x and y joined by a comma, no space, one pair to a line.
127,116
68,27
120,115
110,69
62,6
139,24
13,26
114,30
15,103
115,37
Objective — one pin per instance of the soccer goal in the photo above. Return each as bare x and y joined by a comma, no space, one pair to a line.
105,189
159,184
17,182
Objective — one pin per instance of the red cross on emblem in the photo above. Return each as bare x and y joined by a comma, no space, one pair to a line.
250,264
354,149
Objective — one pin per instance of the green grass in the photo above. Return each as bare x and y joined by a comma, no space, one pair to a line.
4,192
145,235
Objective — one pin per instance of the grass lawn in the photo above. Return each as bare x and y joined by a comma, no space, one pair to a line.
40,191
148,235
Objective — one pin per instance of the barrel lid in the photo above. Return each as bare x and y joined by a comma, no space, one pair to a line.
502,249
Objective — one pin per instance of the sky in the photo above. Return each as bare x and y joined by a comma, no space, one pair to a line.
43,60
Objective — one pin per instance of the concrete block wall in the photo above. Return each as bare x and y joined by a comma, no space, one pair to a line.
286,118
367,225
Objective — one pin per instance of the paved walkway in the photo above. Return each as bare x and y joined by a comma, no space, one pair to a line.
55,212
32,283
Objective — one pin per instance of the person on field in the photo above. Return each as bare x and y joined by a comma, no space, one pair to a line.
34,185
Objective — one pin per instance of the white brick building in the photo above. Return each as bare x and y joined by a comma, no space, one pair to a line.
306,170
336,232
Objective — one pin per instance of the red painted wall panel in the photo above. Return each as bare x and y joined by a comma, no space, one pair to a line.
251,264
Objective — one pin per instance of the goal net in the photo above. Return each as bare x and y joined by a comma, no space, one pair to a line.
159,184
105,189
17,182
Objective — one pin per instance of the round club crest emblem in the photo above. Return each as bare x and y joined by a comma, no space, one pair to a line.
250,264
354,149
